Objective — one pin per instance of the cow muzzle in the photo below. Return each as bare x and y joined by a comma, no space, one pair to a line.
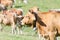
22,23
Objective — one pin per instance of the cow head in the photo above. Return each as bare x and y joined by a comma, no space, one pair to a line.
28,19
31,18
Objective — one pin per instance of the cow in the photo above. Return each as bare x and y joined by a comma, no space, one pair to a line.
47,23
11,18
7,3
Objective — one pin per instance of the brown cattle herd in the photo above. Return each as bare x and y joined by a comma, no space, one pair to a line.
47,23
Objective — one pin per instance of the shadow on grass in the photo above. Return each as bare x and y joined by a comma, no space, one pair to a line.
18,6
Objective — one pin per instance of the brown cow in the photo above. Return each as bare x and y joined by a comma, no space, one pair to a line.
47,23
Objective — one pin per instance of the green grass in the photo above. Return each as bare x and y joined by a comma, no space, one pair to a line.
44,5
28,34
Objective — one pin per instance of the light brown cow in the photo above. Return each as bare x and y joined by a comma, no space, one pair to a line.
47,23
6,3
11,19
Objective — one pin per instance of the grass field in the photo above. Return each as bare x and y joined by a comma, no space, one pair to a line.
44,5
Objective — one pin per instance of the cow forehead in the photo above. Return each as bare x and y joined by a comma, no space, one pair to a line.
29,15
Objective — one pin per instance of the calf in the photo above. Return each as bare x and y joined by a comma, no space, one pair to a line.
11,18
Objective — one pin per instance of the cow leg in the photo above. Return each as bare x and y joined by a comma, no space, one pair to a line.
40,37
46,37
19,30
1,28
13,29
52,36
43,37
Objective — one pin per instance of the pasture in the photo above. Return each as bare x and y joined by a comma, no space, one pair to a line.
28,33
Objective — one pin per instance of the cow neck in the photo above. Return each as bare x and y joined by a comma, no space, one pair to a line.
38,19
34,22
